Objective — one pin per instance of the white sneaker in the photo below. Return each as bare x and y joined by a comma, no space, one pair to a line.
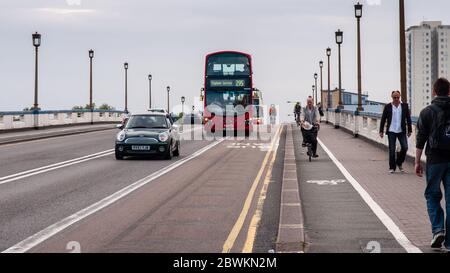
438,240
391,171
400,168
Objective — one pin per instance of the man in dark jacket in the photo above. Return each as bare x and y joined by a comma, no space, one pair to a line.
398,119
433,129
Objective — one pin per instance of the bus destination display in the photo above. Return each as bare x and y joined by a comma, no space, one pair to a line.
227,83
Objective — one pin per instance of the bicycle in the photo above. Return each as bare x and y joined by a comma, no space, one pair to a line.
309,135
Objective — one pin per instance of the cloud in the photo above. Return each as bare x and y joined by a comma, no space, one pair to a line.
65,11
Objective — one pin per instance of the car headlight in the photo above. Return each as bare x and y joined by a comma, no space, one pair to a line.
121,136
163,137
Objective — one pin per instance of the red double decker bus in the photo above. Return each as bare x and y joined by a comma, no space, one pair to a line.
228,93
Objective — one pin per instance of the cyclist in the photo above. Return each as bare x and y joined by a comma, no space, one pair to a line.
310,122
297,110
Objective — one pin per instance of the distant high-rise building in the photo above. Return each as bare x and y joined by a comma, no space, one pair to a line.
427,60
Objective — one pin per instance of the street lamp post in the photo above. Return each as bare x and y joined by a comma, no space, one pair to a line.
315,79
125,65
321,82
150,91
339,41
36,43
403,52
168,99
329,79
183,99
358,15
313,88
91,106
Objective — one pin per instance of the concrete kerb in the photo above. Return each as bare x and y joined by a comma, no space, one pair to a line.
291,233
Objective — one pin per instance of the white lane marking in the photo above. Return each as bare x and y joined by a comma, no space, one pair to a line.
44,169
54,229
379,212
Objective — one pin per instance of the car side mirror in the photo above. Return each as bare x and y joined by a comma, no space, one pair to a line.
120,126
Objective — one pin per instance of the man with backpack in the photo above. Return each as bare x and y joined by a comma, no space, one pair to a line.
433,129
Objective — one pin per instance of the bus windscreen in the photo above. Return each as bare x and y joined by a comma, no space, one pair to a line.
228,64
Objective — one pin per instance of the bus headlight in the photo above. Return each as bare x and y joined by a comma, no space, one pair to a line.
163,137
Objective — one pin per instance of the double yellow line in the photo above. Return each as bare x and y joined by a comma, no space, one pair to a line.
248,247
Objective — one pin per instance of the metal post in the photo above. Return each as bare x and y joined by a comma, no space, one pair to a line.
150,91
329,79
321,83
36,65
126,88
315,101
340,106
360,108
91,106
403,52
168,99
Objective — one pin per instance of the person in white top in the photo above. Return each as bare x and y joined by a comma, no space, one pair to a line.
398,118
310,115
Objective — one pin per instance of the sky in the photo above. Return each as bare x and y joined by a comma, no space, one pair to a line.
170,38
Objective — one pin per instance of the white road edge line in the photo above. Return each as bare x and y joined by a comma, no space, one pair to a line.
24,174
54,229
379,212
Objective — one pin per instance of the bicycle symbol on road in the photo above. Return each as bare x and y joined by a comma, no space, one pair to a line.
262,146
333,182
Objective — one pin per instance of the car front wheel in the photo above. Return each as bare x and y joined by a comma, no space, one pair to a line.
169,153
119,155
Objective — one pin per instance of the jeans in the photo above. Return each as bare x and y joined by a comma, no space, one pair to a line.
398,160
437,174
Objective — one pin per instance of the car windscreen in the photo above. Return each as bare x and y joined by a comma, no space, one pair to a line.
147,122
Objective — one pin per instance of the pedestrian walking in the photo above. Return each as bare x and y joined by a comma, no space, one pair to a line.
433,129
273,114
297,110
319,106
396,120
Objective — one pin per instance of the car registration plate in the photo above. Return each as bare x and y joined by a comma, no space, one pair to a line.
140,148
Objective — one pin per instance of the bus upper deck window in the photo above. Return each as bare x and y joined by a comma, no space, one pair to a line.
217,67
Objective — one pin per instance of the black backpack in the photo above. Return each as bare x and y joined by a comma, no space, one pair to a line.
440,136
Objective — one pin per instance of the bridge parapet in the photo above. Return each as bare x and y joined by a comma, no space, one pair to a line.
367,125
29,119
